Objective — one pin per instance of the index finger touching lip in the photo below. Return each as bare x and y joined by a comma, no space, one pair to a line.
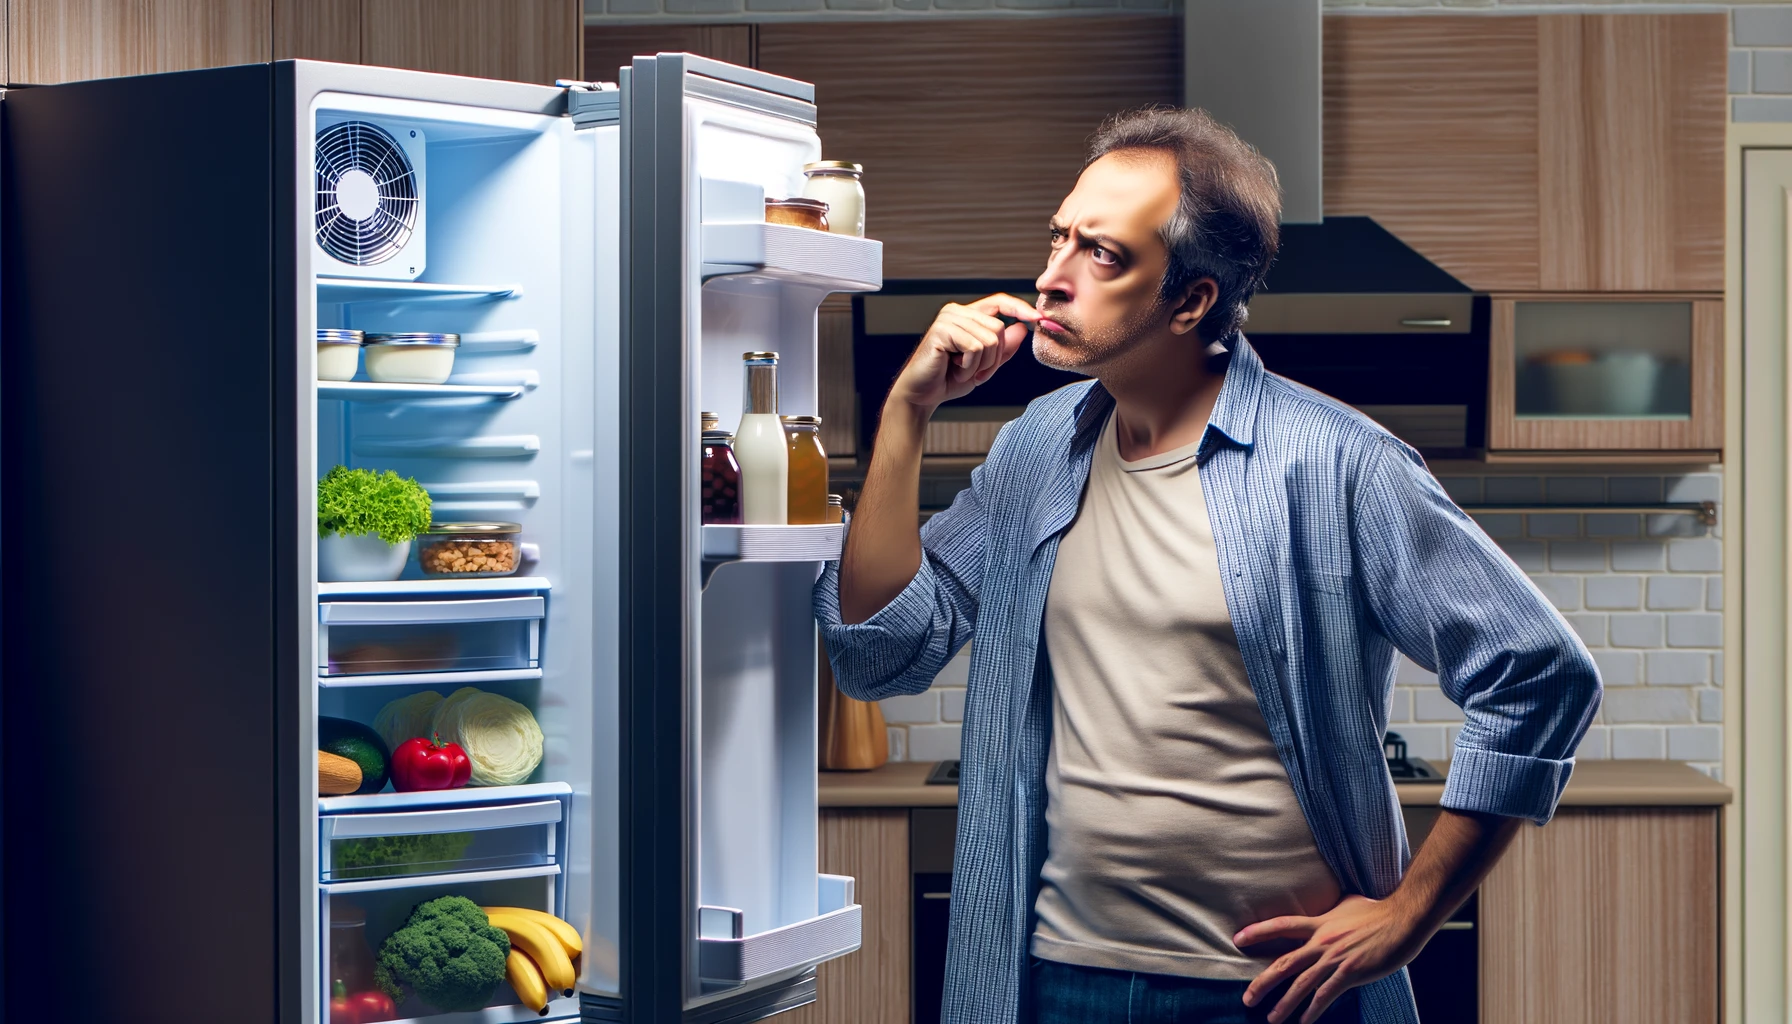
1001,302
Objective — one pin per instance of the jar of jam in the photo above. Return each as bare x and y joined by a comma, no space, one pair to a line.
721,476
807,504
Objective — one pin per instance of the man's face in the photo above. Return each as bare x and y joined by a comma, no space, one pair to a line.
1100,289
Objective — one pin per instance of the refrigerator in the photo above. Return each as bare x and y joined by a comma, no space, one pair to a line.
169,245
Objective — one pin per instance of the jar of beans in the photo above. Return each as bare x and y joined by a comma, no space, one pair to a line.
470,549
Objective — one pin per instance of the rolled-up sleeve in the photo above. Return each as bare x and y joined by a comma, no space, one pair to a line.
1450,599
906,644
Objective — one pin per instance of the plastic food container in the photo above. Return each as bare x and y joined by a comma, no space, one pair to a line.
338,353
410,358
798,213
470,549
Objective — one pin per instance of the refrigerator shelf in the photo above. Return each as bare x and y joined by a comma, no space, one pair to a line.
354,290
727,958
435,588
840,263
773,543
560,1008
445,880
468,796
464,833
470,677
370,391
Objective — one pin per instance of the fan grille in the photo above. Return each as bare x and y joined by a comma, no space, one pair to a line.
378,235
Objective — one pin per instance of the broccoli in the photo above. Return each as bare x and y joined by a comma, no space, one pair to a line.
448,953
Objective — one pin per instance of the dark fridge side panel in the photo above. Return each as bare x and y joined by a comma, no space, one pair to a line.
140,455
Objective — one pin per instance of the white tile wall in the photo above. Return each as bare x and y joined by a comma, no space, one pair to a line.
1644,593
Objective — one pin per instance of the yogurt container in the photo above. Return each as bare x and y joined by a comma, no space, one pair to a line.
410,358
338,353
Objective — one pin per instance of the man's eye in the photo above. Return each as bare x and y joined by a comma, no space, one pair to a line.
1057,236
1103,257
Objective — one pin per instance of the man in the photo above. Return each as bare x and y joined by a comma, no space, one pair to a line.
1187,581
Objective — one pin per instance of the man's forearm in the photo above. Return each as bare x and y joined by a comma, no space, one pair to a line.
883,549
1461,849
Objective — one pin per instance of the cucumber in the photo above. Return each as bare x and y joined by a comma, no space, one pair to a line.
359,744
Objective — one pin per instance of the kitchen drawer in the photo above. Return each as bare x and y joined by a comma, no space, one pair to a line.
388,637
512,829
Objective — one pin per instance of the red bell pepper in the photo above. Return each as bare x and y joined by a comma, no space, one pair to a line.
428,763
373,1005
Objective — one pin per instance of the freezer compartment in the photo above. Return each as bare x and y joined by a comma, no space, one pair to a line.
726,957
353,956
393,636
390,835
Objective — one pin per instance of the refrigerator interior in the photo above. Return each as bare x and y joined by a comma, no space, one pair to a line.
520,211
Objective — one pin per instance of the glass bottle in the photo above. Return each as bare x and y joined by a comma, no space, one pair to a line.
807,503
721,475
759,445
836,509
351,957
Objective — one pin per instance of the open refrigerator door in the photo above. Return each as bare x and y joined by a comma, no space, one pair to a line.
718,639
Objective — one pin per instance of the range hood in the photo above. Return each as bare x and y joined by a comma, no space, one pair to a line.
1256,65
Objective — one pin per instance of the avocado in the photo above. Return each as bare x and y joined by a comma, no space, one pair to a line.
359,744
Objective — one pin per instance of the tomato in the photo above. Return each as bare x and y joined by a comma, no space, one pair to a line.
373,1005
428,763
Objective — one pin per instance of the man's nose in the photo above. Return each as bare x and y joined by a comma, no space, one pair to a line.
1055,280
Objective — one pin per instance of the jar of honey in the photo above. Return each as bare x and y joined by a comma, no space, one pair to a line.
721,476
808,479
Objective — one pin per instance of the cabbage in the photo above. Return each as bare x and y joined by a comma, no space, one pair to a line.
500,736
407,718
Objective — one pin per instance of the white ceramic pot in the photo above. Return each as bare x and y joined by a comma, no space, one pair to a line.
360,559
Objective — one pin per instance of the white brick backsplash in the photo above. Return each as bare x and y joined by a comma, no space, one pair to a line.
1526,554
1675,593
1619,668
957,671
1639,555
1463,490
912,708
1695,629
1714,593
1408,673
1717,669
1564,592
1576,556
1638,704
1678,668
1500,525
1426,741
1511,490
1696,743
1693,487
1701,555
1595,745
1761,109
1636,630
1591,628
1762,26
1430,705
1614,593
1609,525
1639,741
1634,488
1574,490
1554,524
1711,705
933,742
952,704
1400,705
1773,71
898,744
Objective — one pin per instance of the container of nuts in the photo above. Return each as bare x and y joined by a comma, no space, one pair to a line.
470,549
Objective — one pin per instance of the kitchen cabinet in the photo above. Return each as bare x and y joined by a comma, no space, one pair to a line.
1606,372
51,41
1573,152
516,40
1608,914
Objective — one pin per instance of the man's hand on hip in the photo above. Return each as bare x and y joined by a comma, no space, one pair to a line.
1358,941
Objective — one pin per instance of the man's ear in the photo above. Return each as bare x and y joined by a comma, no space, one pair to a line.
1197,301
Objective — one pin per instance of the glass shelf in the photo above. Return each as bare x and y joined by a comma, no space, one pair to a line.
371,391
355,290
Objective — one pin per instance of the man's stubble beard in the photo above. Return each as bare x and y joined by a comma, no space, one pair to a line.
1102,350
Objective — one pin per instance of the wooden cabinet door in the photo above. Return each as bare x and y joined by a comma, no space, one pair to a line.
515,40
1630,151
870,986
51,41
1604,916
1699,434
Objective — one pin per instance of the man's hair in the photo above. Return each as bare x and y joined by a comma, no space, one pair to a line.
1225,224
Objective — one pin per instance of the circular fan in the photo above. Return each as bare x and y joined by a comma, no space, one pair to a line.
366,193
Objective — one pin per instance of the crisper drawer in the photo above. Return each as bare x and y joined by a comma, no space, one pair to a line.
726,957
457,831
383,637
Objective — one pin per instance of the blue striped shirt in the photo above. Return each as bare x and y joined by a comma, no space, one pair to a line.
1337,549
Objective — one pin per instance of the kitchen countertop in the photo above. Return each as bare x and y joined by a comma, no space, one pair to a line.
1593,784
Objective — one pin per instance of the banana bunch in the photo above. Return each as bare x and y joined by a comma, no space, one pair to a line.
542,951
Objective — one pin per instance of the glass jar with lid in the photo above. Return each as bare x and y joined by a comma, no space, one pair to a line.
721,475
807,504
838,183
470,549
338,353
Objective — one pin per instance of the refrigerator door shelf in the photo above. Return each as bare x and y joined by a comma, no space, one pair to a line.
350,290
840,263
724,544
370,391
835,932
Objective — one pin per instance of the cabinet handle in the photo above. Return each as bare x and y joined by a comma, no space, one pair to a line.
1457,926
936,895
1442,322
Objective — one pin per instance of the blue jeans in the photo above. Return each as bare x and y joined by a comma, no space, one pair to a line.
1068,994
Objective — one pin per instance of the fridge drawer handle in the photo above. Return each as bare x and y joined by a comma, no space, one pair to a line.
398,613
447,819
1427,322
1457,926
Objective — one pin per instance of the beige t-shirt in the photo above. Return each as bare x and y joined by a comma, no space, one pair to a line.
1171,820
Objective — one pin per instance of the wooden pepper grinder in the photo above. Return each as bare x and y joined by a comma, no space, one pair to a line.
853,737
